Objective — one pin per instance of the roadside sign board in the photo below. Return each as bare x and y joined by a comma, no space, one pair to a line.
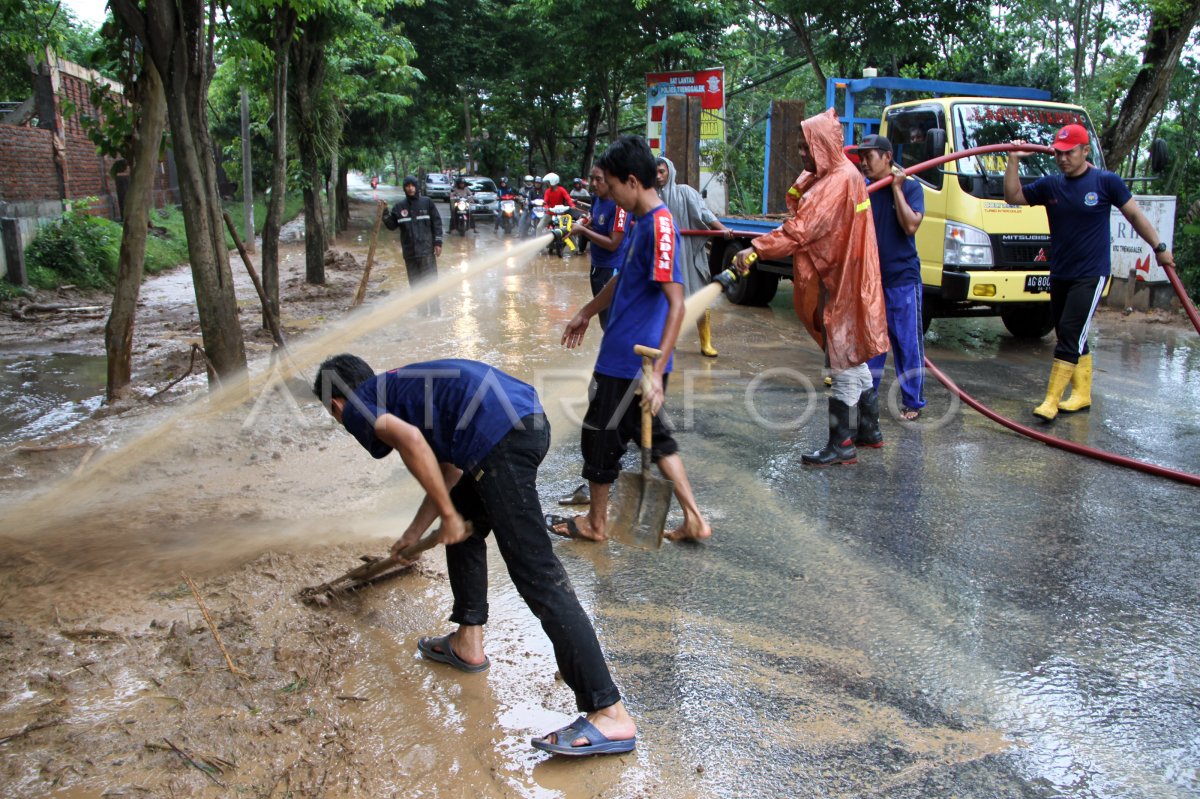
1131,255
709,85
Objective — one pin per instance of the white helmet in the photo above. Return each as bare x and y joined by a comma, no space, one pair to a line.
529,178
551,179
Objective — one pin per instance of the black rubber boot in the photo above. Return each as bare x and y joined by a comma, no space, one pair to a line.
869,434
840,449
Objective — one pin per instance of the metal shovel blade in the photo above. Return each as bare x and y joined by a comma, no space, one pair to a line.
639,509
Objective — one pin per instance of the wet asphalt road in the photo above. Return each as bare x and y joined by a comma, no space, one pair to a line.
964,613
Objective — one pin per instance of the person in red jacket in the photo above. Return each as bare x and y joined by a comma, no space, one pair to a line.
555,195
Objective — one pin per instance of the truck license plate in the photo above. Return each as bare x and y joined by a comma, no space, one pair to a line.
1036,284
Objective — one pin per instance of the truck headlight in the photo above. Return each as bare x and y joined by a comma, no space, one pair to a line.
966,246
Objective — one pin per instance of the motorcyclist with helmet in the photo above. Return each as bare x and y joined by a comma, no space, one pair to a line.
580,193
555,195
529,193
460,190
503,192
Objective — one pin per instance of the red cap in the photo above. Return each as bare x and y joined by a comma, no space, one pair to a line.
1071,136
851,154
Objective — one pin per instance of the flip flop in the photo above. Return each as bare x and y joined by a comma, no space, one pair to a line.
581,496
910,414
553,521
426,647
597,743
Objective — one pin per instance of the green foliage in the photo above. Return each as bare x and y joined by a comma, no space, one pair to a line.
1187,247
29,26
78,249
83,250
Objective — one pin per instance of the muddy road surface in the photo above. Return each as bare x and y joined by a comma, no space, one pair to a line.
964,613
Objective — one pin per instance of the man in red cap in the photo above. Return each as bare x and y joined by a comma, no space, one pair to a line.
1078,204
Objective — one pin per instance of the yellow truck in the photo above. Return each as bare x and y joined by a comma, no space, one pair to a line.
979,255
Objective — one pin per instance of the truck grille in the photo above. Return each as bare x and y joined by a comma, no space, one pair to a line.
1021,251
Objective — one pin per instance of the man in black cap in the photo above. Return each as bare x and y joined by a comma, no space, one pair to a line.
897,212
420,228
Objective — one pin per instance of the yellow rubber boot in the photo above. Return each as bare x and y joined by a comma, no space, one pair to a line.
1060,376
704,325
1081,387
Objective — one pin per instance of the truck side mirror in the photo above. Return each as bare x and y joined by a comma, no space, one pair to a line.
935,140
1160,156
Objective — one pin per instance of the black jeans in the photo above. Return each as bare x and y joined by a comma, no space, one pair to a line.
502,497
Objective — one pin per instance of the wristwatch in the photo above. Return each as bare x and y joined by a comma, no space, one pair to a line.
1160,247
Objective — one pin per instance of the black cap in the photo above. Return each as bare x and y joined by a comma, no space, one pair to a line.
874,142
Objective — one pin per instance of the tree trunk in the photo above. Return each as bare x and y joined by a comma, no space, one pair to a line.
150,104
343,198
308,77
589,144
314,218
285,28
467,135
799,26
177,38
1169,32
331,194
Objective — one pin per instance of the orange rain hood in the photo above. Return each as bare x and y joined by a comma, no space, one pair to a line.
831,238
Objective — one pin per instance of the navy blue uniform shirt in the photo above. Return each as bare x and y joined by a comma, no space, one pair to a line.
1079,209
462,408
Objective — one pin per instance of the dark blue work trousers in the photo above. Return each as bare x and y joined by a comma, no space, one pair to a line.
903,306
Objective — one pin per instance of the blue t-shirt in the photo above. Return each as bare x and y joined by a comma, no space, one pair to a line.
1079,209
899,264
463,408
606,219
638,311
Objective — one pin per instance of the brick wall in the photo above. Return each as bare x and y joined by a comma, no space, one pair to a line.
27,172
27,162
34,181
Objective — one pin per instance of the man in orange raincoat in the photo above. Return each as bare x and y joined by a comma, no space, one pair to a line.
837,292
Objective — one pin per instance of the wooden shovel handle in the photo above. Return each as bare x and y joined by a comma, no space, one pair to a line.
428,542
649,356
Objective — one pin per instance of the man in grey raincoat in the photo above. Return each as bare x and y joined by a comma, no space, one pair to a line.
690,213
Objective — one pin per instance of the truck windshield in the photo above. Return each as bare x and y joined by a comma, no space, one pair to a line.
979,124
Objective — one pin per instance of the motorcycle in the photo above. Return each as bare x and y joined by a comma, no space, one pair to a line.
508,214
462,215
535,217
560,225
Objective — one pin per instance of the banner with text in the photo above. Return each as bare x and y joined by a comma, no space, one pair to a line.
708,84
1131,255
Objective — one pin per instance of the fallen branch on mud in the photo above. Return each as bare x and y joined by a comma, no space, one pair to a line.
196,348
210,766
30,728
213,627
53,447
21,312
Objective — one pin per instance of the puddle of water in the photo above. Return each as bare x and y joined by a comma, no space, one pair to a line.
48,393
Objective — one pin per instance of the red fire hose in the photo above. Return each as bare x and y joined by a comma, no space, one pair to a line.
952,387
